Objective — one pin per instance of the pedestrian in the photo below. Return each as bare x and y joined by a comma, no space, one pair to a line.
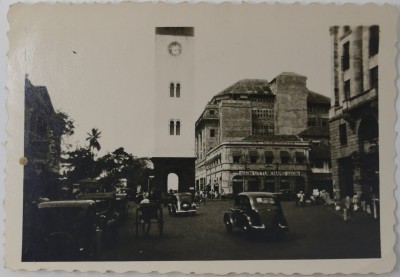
347,208
223,197
216,194
302,199
355,202
298,195
204,196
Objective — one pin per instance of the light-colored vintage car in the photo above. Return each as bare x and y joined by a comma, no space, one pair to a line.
182,203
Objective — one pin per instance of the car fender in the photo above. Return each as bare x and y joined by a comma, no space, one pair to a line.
227,217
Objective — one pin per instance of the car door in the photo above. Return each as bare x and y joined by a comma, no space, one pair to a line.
239,212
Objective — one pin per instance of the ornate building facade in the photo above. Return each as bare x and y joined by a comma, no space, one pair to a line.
353,121
248,136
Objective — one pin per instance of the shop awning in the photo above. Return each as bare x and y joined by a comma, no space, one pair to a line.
269,154
285,154
253,153
300,155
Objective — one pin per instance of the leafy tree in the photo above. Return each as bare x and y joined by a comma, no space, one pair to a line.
83,165
64,124
120,164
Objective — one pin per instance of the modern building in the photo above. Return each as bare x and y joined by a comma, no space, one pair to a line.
248,136
173,158
354,113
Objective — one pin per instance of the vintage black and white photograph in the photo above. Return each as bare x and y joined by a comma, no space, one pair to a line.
252,135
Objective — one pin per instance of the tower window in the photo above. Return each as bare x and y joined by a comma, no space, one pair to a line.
373,40
178,128
171,127
175,128
346,56
174,90
178,90
171,89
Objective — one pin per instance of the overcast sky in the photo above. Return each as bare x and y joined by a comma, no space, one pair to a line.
98,63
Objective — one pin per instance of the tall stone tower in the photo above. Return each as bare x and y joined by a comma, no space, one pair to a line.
174,77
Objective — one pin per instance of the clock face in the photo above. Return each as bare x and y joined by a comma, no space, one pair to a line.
175,48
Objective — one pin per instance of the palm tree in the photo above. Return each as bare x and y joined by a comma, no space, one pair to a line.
93,139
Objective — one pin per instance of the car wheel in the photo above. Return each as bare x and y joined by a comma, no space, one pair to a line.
173,210
279,236
228,224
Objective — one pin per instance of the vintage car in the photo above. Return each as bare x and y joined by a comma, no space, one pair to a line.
130,193
181,203
106,209
121,204
256,211
68,230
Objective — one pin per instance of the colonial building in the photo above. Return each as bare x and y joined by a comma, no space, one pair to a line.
354,113
173,157
247,137
42,144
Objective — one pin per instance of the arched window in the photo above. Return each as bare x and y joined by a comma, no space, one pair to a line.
171,127
178,90
171,89
178,128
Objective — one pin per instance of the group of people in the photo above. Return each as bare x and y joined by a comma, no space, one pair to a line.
202,196
317,197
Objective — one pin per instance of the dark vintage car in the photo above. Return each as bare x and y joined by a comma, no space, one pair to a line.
130,193
106,209
67,230
121,204
181,203
256,211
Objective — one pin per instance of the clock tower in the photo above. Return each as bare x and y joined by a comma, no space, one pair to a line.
174,101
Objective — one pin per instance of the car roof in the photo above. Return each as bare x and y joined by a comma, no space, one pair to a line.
66,204
104,195
183,194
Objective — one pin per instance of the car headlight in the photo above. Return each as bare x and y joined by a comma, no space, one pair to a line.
249,220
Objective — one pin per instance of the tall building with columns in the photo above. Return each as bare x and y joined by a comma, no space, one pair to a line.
353,120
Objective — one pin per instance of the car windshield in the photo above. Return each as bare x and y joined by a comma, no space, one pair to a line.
261,201
186,197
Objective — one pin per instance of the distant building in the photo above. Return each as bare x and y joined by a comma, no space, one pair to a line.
42,144
248,136
354,112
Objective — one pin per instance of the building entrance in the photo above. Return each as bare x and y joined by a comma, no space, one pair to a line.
237,185
173,181
269,184
345,168
178,173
